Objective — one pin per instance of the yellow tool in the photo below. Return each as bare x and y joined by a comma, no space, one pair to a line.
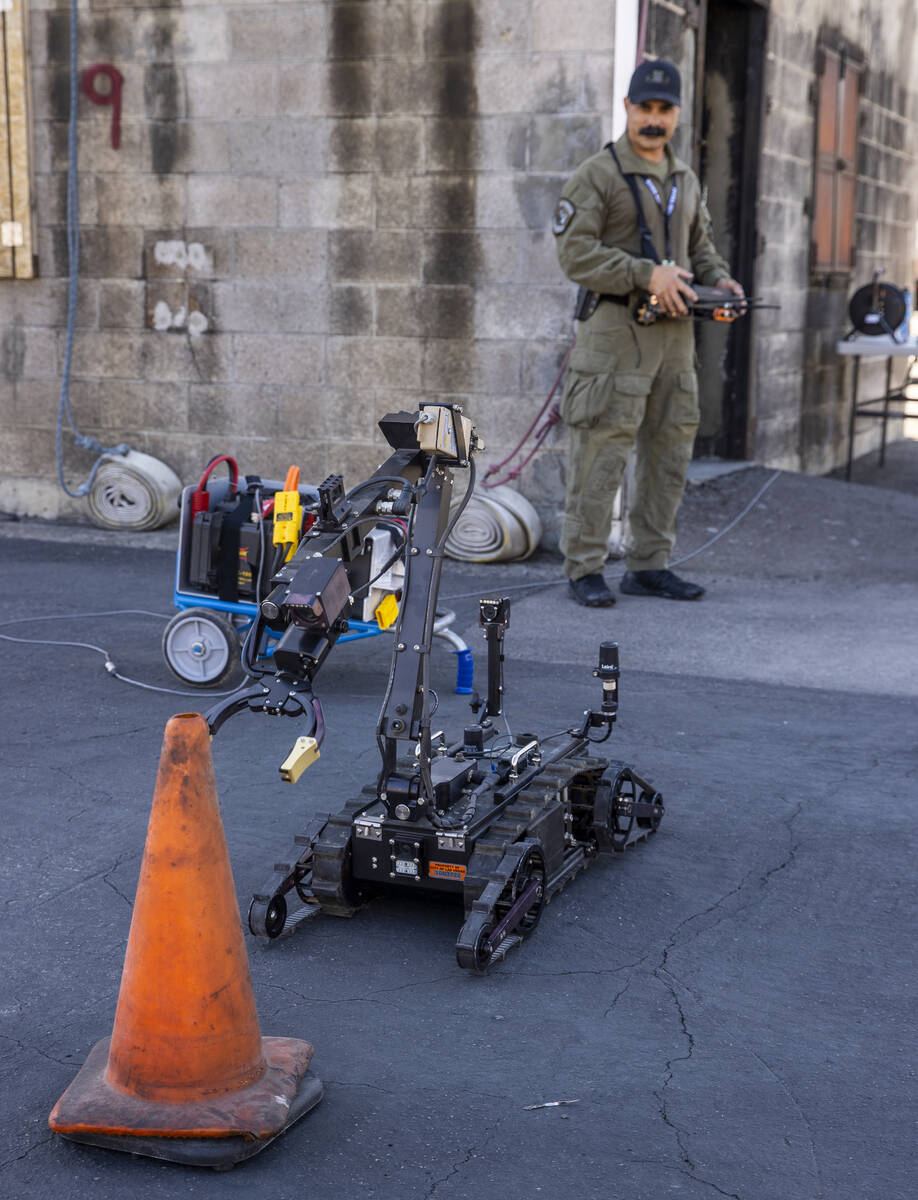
303,755
288,514
386,611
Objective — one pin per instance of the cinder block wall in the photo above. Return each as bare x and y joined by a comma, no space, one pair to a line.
318,212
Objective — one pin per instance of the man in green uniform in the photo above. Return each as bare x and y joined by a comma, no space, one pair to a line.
631,221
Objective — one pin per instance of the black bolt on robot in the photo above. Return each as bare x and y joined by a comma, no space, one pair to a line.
501,822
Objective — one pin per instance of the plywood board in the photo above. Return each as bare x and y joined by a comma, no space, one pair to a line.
16,200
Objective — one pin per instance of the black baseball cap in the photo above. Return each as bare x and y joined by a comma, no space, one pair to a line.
657,80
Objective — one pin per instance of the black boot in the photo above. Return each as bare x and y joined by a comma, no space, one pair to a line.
665,583
591,591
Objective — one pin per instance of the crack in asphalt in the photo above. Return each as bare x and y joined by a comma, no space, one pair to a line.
114,887
35,1145
662,973
656,1162
475,1151
806,1121
282,987
25,1048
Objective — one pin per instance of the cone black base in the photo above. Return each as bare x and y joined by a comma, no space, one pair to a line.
216,1132
217,1153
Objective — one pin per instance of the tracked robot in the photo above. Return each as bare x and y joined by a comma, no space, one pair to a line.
500,823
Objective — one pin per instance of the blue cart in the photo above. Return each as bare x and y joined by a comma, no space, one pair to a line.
203,641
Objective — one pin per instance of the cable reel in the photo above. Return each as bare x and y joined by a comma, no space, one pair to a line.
879,308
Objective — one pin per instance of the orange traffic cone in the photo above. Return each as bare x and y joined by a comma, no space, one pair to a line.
186,1074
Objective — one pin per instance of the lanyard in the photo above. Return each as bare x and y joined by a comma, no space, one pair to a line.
647,246
666,211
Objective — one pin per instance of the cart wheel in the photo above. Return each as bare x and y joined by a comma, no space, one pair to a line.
201,647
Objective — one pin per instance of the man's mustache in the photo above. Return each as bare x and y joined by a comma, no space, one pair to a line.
652,131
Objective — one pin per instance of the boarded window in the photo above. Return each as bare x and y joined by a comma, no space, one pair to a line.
15,199
839,77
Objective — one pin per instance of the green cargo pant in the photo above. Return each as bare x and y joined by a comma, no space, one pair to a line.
627,384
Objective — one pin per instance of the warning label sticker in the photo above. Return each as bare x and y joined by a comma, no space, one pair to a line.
446,871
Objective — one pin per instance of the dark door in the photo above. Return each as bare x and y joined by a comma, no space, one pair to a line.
732,71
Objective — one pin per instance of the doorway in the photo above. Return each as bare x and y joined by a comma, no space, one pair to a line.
732,67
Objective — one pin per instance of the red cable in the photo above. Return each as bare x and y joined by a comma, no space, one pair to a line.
543,433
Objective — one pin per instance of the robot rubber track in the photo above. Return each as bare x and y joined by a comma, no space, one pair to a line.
498,823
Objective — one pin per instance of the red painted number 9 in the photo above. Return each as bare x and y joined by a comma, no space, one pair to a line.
111,97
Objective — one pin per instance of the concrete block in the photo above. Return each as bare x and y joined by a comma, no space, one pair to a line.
109,38
281,253
561,143
503,27
432,202
143,200
598,94
125,405
577,25
227,91
451,29
355,461
436,312
294,31
368,256
187,253
227,200
43,302
276,146
34,404
410,87
164,91
50,199
353,30
349,88
335,201
484,143
374,363
205,359
121,304
544,83
105,253
546,313
108,354
303,309
29,455
351,311
29,353
401,30
386,144
466,257
518,201
228,408
176,35
541,362
476,367
332,415
301,92
246,307
399,144
539,258
185,147
288,360
452,257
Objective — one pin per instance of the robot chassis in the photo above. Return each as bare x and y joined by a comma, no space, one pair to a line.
502,826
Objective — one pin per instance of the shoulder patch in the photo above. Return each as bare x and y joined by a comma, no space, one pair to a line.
562,218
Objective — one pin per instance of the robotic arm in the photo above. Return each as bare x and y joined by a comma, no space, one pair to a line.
312,595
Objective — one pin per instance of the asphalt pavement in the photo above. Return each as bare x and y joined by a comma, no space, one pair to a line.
729,1007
